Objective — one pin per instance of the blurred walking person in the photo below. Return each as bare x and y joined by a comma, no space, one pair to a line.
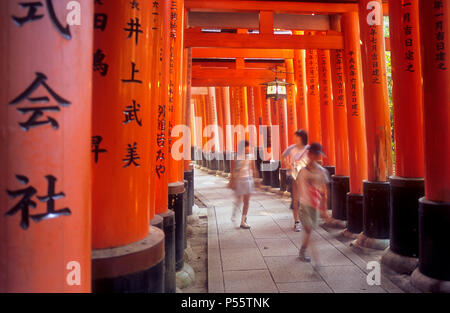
294,158
243,172
312,193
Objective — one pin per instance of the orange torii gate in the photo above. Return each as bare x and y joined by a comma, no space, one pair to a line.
141,93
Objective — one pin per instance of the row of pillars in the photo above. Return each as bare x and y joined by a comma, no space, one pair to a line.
90,197
341,98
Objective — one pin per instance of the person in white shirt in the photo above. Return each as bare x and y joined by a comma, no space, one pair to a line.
294,158
242,181
312,195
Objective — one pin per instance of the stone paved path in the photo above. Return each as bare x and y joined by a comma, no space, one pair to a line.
265,258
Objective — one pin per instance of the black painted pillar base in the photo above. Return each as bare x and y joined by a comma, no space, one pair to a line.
134,268
221,164
214,163
189,177
169,247
376,207
185,208
433,274
331,171
176,196
259,152
208,160
227,162
204,161
339,189
157,222
283,178
354,213
404,217
266,175
275,179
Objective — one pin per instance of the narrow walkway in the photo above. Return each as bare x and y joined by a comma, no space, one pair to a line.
265,258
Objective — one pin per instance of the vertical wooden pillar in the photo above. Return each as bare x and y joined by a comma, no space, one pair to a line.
45,130
252,130
313,97
340,180
160,84
326,109
377,125
301,90
221,127
122,118
433,273
175,83
291,99
213,124
259,152
187,102
243,106
355,121
227,134
407,186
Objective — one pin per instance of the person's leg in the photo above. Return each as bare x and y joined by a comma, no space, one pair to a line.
295,208
236,206
246,199
305,242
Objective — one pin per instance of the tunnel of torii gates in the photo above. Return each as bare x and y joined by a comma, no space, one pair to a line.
91,197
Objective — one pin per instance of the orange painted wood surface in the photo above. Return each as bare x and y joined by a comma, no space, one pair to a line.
340,113
122,117
313,96
407,89
45,197
326,107
376,98
436,78
355,103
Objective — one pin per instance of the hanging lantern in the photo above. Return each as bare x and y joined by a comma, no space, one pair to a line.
276,89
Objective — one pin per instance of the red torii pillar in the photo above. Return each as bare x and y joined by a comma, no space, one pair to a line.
266,134
290,120
259,152
175,107
378,128
290,103
313,98
326,109
187,168
300,84
45,185
433,273
340,180
221,129
228,137
122,118
355,123
407,186
252,134
160,97
212,146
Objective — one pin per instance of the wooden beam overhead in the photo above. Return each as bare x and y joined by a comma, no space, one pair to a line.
275,6
318,7
232,65
231,77
222,53
262,41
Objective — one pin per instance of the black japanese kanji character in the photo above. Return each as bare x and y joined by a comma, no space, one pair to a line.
38,112
131,156
96,140
33,16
